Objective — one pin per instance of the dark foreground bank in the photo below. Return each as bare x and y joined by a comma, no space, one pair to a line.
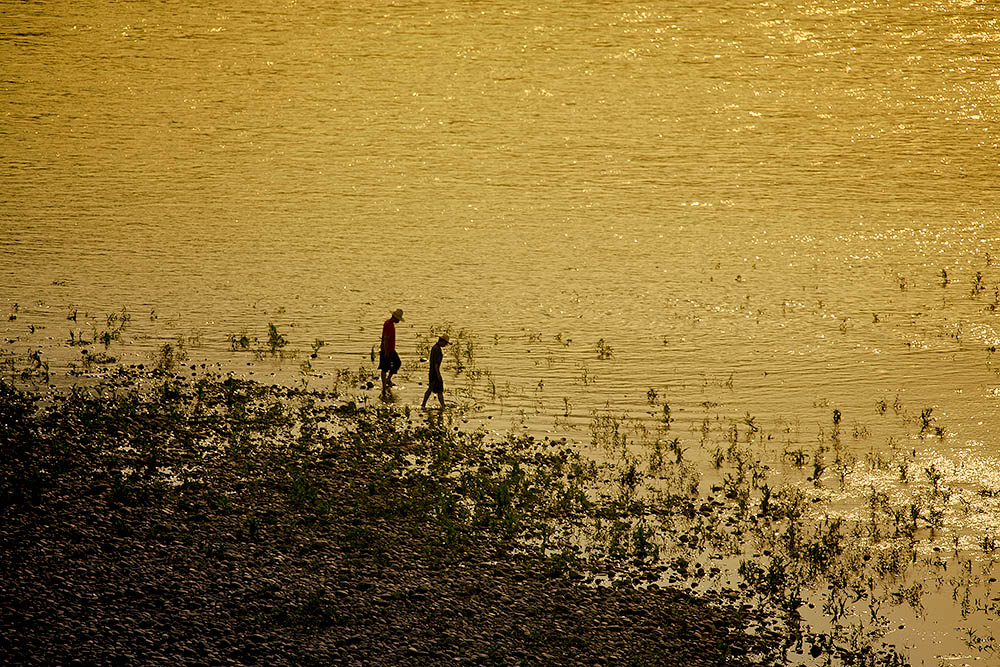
154,519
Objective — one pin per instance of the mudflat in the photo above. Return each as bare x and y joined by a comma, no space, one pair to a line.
153,518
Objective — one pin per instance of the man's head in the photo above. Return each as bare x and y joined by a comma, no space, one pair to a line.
397,315
443,340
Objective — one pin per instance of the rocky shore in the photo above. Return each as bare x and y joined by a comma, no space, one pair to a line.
155,519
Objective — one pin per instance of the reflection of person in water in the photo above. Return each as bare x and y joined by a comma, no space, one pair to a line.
388,360
435,383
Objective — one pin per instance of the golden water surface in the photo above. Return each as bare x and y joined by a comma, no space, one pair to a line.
768,209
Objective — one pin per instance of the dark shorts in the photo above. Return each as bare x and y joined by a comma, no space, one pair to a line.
436,384
388,361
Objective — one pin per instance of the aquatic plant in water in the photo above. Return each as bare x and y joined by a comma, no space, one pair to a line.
238,341
275,340
168,355
116,324
604,349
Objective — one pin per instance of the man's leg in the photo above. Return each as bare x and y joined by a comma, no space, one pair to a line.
394,364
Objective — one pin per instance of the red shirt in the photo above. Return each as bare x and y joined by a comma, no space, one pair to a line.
389,336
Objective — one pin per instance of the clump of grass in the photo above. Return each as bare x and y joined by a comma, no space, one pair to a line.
678,451
38,368
275,340
797,457
90,359
238,342
927,424
977,285
116,324
76,339
272,346
604,349
169,355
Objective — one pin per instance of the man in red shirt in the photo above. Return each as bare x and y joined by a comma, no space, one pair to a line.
388,360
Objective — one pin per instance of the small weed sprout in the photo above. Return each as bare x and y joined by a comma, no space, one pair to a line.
977,285
76,339
275,340
168,355
678,451
926,420
239,342
90,359
819,467
604,349
39,366
797,457
656,458
118,321
718,457
116,324
316,345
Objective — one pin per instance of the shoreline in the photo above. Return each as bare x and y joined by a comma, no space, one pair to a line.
159,518
229,569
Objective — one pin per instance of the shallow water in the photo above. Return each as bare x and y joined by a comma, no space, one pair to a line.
773,210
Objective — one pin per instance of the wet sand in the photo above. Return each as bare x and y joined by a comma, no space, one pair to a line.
154,521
